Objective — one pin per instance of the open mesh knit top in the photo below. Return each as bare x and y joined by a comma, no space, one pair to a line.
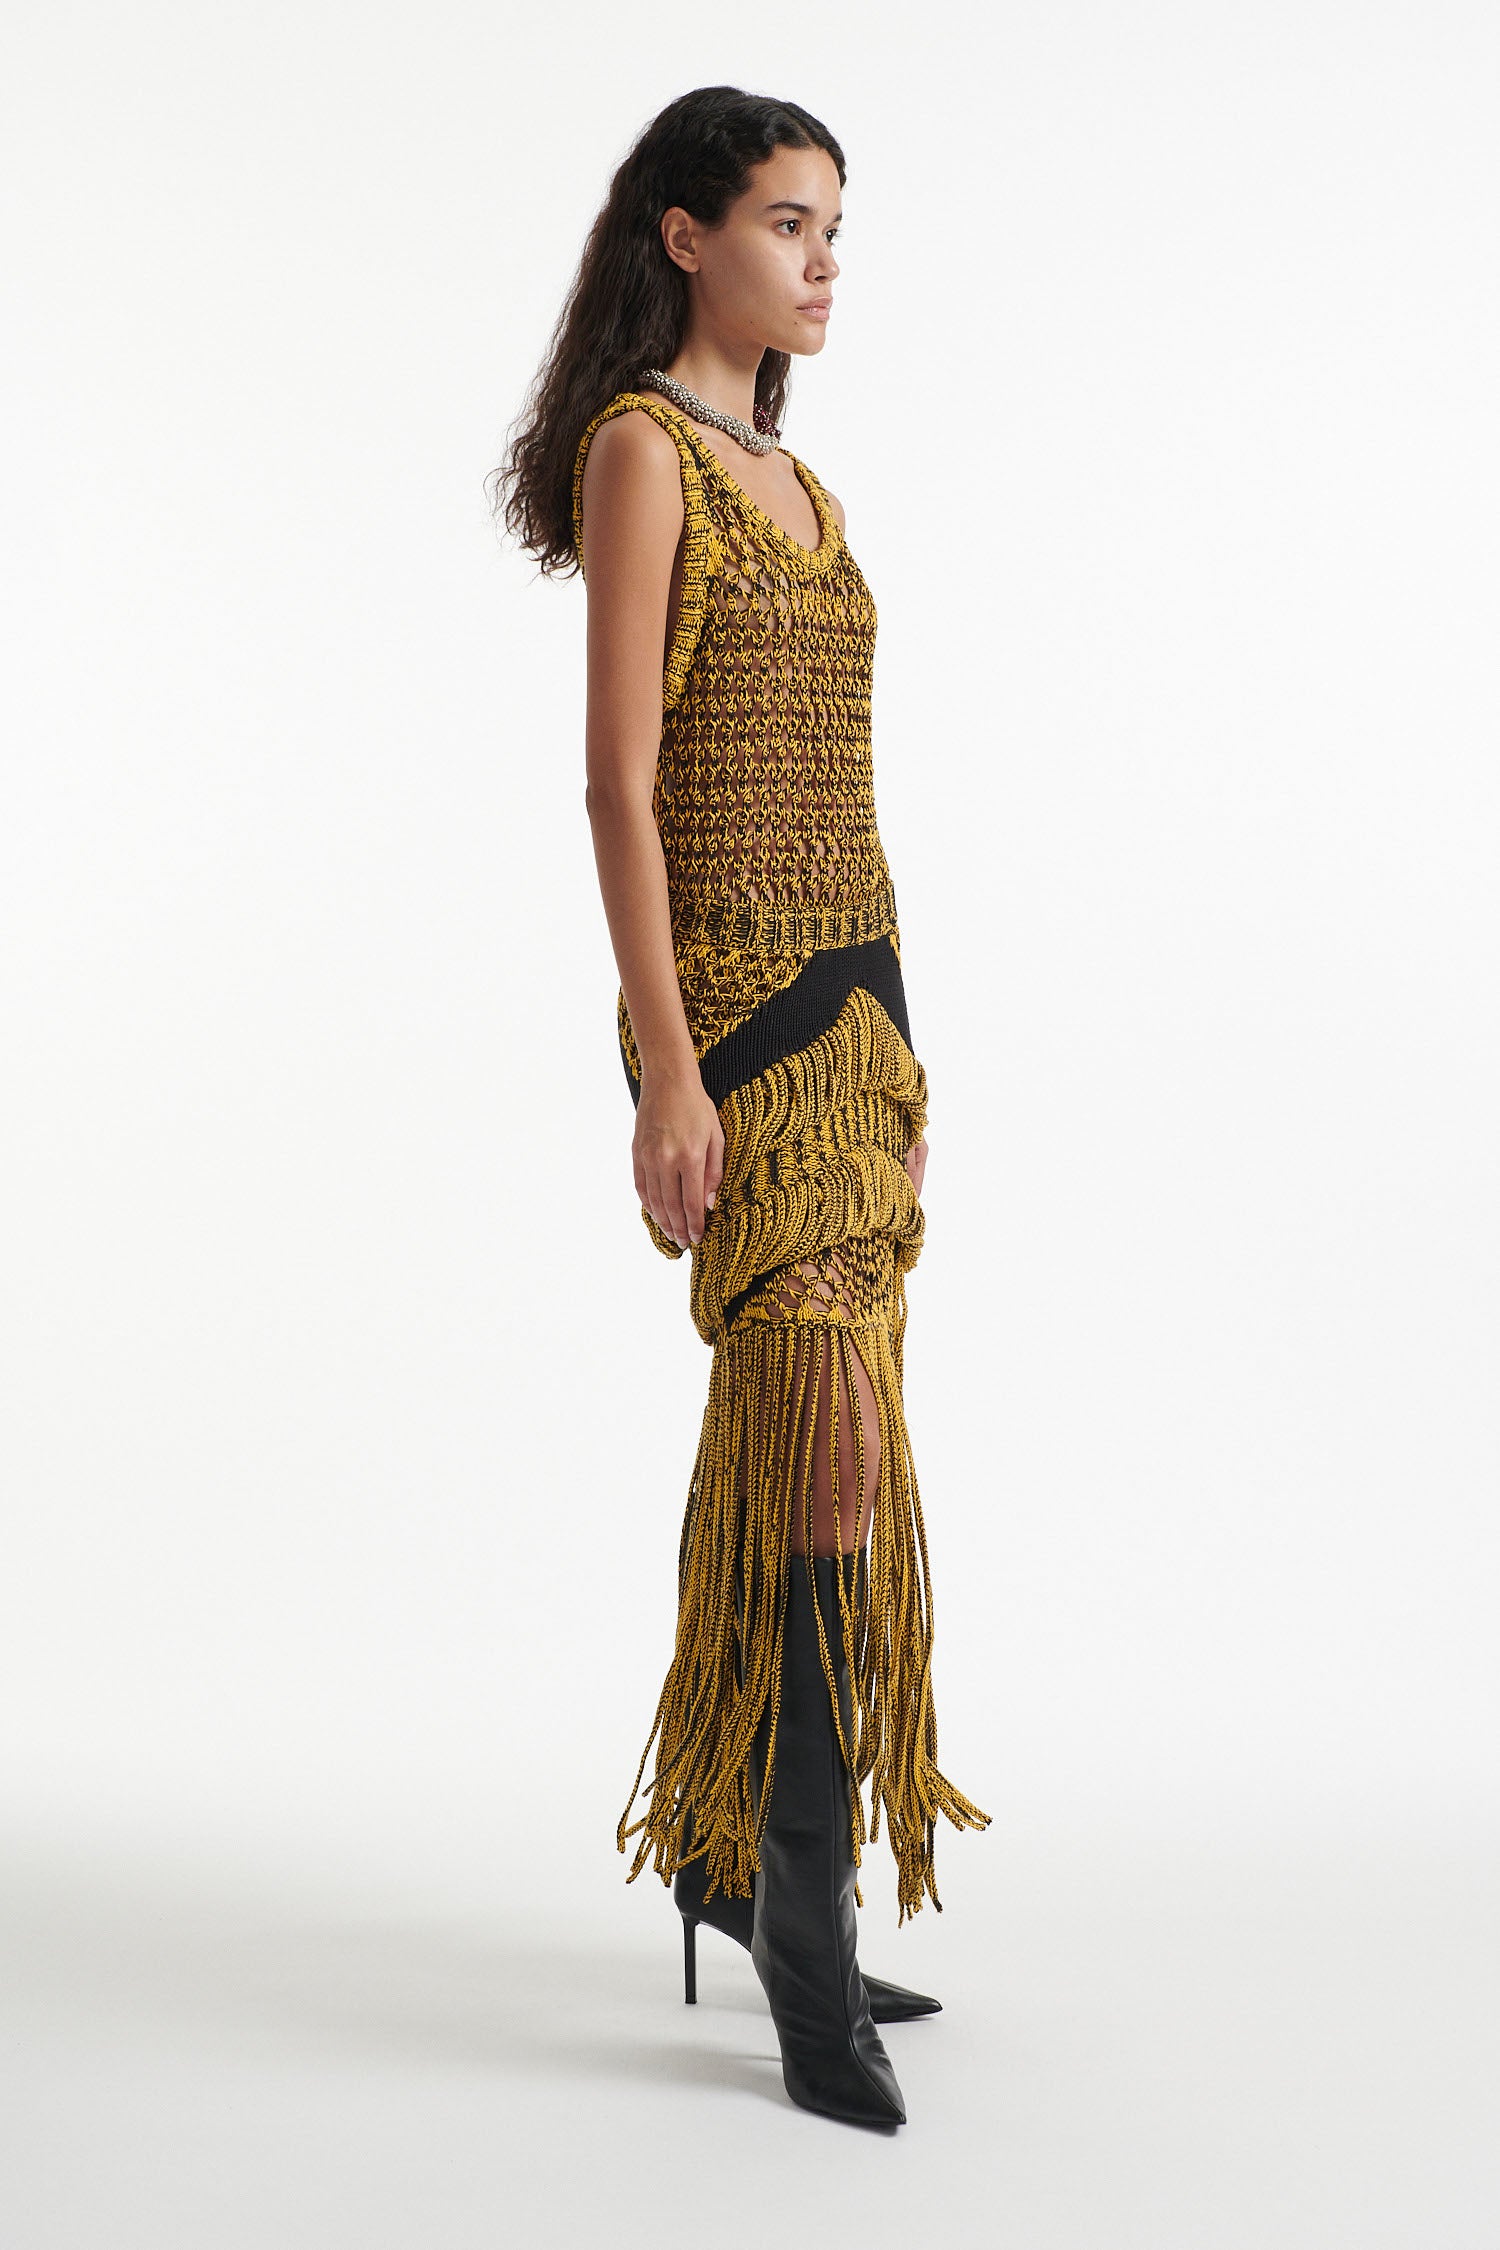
764,792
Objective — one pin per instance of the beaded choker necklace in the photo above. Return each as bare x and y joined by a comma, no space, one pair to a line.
760,440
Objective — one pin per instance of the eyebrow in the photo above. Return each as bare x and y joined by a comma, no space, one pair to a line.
804,208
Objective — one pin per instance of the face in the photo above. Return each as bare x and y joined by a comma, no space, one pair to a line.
764,278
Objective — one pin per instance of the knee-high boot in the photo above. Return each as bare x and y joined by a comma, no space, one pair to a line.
735,1917
805,1932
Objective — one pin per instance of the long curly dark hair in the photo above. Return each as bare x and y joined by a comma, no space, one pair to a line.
627,308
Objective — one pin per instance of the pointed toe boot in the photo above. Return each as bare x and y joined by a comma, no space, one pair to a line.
803,1943
735,1918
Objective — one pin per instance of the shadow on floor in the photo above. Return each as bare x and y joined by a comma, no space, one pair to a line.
268,1976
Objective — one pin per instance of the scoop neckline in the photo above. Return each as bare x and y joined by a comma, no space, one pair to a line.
814,557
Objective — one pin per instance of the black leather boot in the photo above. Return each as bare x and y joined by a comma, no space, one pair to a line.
803,1944
735,1917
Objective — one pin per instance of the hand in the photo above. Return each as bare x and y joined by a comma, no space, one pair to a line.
915,1161
677,1153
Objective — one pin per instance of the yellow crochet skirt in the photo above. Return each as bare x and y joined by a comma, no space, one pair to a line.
802,1265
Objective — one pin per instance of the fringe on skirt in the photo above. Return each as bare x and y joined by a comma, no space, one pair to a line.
802,1264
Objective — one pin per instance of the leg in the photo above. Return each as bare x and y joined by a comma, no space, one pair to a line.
840,1445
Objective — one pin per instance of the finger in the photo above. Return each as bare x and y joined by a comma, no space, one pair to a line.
655,1198
692,1198
665,1193
672,1195
713,1171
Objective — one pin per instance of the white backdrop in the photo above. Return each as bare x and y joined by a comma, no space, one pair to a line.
349,1409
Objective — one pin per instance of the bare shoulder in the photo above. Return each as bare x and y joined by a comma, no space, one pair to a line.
630,497
631,445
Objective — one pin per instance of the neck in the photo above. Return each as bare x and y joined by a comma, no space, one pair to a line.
729,389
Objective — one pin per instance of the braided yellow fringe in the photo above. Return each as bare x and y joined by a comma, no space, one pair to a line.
813,1149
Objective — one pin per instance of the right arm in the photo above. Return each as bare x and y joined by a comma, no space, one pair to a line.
632,507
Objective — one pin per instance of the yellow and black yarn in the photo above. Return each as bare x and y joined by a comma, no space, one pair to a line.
788,954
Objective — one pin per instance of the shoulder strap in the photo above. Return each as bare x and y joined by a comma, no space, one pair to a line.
697,540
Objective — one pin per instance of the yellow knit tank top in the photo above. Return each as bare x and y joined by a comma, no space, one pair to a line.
764,793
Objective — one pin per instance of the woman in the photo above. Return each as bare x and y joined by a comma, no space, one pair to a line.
780,1110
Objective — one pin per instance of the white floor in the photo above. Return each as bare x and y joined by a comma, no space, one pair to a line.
1220,2049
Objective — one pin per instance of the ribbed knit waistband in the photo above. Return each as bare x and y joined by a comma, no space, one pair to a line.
756,925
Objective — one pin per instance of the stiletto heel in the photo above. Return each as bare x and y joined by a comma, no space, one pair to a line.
889,2003
689,1960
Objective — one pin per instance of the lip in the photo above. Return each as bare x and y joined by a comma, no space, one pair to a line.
819,307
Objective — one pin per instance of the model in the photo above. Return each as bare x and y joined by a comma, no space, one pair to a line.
780,1108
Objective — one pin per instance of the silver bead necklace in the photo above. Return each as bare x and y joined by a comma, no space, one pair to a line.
754,441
